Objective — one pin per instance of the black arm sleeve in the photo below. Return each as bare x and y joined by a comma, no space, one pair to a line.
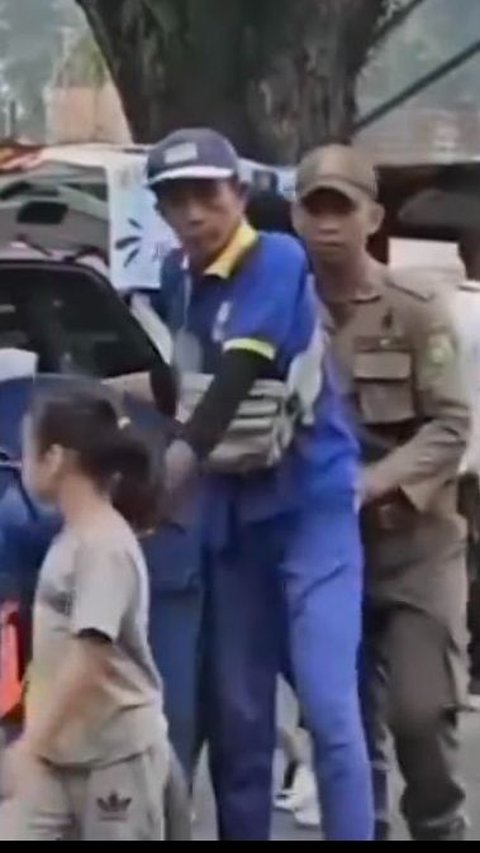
237,373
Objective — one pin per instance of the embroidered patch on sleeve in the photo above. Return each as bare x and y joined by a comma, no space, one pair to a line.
440,350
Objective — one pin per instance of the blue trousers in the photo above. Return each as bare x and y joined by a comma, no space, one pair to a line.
176,616
297,578
175,638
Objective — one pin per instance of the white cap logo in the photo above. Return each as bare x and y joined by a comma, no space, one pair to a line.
183,153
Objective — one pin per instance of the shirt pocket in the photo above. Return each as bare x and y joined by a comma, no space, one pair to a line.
384,387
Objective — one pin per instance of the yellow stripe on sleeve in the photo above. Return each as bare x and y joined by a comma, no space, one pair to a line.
251,345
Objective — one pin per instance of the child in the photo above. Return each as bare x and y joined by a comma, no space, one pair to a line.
93,761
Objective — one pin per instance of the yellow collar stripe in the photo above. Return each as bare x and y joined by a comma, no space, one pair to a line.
244,238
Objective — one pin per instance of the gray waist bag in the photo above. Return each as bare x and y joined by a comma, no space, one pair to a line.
261,431
266,420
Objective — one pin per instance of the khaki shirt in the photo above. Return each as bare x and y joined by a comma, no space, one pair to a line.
399,358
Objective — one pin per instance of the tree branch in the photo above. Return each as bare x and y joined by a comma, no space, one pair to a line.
394,20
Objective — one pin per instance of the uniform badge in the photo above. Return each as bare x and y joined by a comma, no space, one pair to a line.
221,320
440,350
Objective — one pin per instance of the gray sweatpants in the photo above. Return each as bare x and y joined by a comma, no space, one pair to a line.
121,802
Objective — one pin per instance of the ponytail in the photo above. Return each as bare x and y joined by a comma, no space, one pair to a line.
108,450
135,484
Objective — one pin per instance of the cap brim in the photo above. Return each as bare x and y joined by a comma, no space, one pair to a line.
191,173
353,193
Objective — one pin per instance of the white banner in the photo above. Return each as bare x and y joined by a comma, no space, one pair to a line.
139,238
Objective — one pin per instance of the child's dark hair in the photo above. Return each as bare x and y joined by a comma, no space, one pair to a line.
108,450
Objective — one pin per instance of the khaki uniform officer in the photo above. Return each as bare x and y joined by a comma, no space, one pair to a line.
398,360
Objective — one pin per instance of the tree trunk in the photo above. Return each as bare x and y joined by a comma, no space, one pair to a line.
277,76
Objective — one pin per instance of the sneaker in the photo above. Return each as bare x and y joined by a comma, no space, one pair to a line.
472,702
305,807
474,686
289,799
282,800
308,815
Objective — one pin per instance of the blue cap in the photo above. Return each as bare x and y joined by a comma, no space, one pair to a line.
192,154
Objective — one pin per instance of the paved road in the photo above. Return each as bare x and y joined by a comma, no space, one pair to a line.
285,831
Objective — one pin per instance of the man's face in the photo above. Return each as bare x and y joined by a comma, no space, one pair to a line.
333,228
204,214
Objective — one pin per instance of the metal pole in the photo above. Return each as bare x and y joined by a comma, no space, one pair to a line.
419,85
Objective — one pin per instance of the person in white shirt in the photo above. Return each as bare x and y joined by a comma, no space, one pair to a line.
465,304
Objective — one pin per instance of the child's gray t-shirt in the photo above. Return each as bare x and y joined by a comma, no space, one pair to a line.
98,582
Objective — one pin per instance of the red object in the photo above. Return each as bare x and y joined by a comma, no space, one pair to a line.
11,675
16,157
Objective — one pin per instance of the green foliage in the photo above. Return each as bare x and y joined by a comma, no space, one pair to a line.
30,31
85,65
32,44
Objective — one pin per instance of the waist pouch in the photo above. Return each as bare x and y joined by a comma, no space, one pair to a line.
261,431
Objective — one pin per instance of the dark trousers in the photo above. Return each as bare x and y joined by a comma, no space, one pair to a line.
474,629
474,612
469,506
407,689
175,638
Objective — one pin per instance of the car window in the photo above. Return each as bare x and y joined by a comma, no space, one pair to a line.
14,331
72,321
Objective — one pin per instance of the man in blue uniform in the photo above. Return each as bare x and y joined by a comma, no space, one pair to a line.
281,542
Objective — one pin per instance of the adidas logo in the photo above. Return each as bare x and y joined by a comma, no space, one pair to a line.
114,807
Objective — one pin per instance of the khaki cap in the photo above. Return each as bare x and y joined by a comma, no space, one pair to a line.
337,167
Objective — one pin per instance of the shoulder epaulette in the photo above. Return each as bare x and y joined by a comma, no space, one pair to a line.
470,286
425,283
413,286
